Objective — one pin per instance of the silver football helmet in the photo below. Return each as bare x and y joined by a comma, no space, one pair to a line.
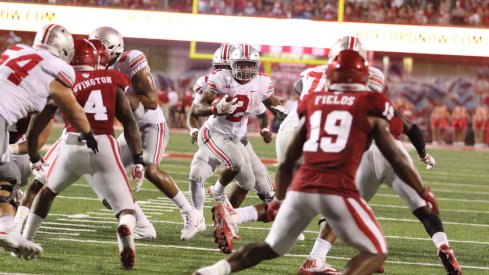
347,43
56,40
111,38
245,62
221,57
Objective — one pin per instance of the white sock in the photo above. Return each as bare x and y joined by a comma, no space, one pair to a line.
320,249
181,202
21,216
140,216
197,194
440,238
246,214
32,226
218,187
129,221
222,267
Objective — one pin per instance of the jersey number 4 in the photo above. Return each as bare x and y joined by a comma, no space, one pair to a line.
20,65
95,105
337,126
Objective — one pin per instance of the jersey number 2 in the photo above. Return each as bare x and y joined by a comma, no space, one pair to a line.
337,125
242,102
95,105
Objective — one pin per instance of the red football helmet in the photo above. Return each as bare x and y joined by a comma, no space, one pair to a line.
86,56
103,54
348,67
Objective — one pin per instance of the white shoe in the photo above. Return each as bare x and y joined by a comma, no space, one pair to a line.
201,227
144,231
11,240
127,251
316,266
192,221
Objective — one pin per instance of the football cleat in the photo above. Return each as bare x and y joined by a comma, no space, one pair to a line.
448,260
223,231
144,231
192,224
222,199
11,240
316,266
126,246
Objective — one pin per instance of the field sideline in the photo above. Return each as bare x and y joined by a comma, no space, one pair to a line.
79,235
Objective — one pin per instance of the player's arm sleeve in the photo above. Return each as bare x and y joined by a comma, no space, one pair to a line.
269,88
376,80
64,73
214,83
379,105
137,61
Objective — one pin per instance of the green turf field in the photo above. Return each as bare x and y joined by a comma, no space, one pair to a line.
79,235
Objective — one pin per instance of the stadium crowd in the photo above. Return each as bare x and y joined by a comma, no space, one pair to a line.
418,12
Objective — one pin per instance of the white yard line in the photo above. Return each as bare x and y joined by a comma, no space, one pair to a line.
100,220
442,210
58,233
216,250
438,198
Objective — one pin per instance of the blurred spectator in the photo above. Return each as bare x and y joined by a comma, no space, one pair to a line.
173,98
479,123
440,121
459,125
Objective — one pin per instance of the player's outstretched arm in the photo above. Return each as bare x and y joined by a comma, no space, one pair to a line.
144,87
43,137
66,102
402,166
193,124
274,105
125,115
39,125
264,121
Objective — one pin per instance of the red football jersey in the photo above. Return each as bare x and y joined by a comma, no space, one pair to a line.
338,133
96,91
19,129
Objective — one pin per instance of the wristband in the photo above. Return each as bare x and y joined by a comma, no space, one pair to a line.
193,130
138,158
264,130
14,149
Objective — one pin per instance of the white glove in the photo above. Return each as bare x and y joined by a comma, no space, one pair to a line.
39,168
429,161
14,149
224,107
137,174
280,111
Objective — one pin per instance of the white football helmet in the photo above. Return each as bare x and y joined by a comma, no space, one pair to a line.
111,38
221,57
347,43
241,57
56,40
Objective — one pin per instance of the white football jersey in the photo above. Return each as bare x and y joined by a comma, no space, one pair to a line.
130,63
250,100
314,80
25,75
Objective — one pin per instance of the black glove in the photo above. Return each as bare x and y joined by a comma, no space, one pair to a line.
90,140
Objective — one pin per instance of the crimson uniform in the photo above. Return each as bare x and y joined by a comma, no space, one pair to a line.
96,91
338,133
